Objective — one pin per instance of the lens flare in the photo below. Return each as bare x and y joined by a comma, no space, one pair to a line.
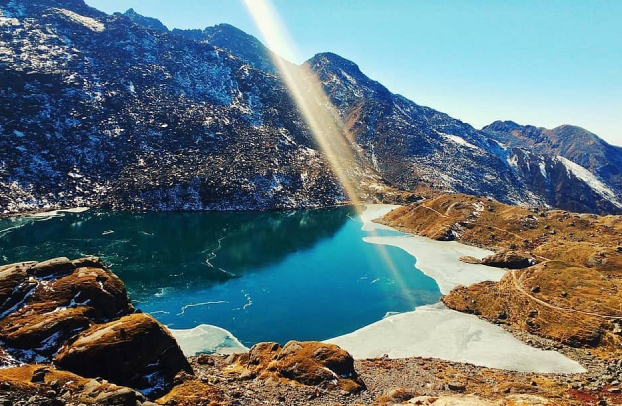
317,111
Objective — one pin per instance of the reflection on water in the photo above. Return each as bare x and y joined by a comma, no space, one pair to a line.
262,275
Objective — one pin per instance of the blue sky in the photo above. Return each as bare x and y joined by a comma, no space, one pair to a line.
544,63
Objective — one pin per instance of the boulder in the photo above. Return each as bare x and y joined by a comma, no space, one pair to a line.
509,259
51,267
309,363
37,331
45,385
134,351
470,260
96,288
193,392
44,304
14,286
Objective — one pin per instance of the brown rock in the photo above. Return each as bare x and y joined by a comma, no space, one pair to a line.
44,381
470,260
42,329
14,286
309,363
97,288
192,393
509,259
134,351
55,266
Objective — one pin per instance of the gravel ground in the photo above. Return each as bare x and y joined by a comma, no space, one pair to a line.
395,381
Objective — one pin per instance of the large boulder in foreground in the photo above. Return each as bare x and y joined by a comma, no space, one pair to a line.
134,351
77,314
309,363
44,304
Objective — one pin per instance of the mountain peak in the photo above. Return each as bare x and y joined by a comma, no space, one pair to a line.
330,59
329,64
148,22
502,125
235,41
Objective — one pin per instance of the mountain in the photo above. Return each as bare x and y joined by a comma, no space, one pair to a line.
236,42
574,143
139,19
408,144
109,111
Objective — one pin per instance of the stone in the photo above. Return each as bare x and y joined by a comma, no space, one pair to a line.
309,363
456,386
205,359
509,259
98,288
41,329
120,397
470,260
145,349
51,267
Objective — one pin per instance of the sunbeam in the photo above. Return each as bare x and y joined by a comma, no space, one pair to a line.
317,111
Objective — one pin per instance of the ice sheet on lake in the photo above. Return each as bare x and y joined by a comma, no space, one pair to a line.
438,259
207,339
438,332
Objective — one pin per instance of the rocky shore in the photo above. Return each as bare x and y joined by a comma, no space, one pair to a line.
70,336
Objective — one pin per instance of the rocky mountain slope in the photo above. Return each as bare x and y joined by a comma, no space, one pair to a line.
118,111
575,143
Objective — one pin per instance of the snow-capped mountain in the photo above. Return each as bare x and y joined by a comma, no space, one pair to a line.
118,111
571,142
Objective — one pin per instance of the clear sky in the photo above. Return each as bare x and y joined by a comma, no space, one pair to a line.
536,62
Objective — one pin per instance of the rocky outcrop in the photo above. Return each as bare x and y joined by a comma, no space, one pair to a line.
509,260
77,315
44,385
44,304
308,363
134,351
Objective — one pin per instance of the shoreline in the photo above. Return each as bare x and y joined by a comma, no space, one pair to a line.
427,331
438,332
432,331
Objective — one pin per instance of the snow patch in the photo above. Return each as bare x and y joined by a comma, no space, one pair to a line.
457,140
88,22
589,178
542,166
4,22
436,331
513,160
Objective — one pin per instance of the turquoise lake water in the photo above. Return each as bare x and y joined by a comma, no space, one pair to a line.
264,276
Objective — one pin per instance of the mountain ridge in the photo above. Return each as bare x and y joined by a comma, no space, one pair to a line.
569,141
167,120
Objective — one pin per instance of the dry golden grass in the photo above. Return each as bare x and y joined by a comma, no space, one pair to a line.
574,294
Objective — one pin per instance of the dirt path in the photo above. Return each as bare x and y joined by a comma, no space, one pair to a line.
520,288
